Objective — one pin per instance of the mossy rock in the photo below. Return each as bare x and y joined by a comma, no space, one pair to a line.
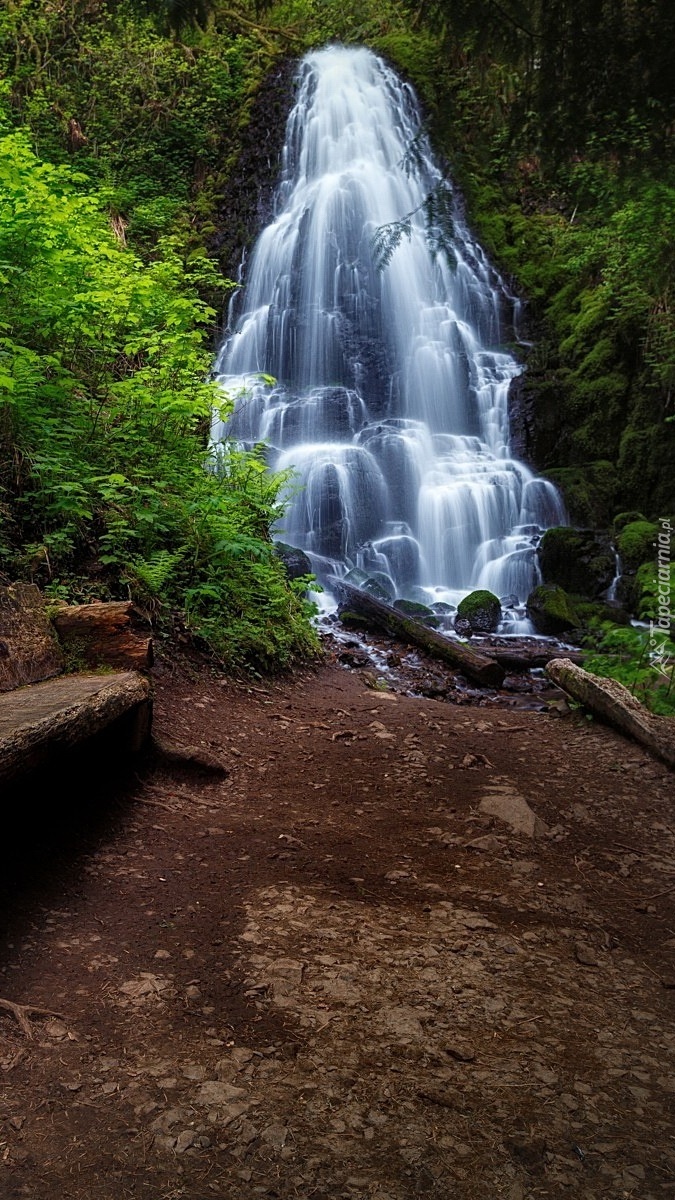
421,612
352,620
380,586
645,466
578,560
636,544
550,610
482,610
626,518
590,611
589,492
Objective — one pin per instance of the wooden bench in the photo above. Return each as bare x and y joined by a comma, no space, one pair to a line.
46,714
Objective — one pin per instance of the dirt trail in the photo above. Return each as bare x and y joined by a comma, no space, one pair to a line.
404,949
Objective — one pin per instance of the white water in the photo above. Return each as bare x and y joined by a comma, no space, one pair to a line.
391,387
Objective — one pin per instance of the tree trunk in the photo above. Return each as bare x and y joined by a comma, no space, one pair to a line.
611,701
476,666
518,654
112,635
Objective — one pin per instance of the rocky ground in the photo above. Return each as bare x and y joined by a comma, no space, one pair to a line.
406,947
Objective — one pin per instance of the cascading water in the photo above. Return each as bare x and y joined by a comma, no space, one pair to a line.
390,391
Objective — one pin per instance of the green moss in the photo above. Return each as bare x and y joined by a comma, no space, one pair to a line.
594,612
550,610
636,544
589,492
652,600
579,560
482,609
626,518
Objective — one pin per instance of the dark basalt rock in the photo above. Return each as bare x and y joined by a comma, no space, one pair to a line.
482,610
295,561
579,560
550,610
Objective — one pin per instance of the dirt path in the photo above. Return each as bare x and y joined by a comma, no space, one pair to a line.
342,972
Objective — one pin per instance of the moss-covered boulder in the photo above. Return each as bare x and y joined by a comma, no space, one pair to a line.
578,560
590,492
591,612
355,621
636,544
550,610
421,612
482,610
626,518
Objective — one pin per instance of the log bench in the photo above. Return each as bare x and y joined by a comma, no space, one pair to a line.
42,723
104,706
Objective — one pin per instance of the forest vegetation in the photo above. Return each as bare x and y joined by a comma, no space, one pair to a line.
136,139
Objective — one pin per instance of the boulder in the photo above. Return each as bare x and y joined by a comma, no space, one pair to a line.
482,610
295,562
636,544
578,560
550,610
420,611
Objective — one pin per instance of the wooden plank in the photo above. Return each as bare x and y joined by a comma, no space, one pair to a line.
39,722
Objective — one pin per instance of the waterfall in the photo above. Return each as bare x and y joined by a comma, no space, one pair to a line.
385,389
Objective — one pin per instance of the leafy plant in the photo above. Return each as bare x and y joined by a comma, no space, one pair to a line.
643,660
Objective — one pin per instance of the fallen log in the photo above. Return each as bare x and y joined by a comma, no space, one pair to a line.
610,700
476,666
113,634
516,654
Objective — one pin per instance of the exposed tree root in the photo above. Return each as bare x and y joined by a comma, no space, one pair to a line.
23,1011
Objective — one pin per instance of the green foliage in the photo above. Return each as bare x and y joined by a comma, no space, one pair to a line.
637,544
649,599
643,660
104,418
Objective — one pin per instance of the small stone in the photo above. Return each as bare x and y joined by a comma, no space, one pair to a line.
585,954
56,1030
215,1092
184,1141
275,1136
193,1071
162,954
247,1133
460,1053
193,993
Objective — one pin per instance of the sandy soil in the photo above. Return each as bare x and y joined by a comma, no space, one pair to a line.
405,948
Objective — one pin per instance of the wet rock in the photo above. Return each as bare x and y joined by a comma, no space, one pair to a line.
295,562
550,610
481,609
579,560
